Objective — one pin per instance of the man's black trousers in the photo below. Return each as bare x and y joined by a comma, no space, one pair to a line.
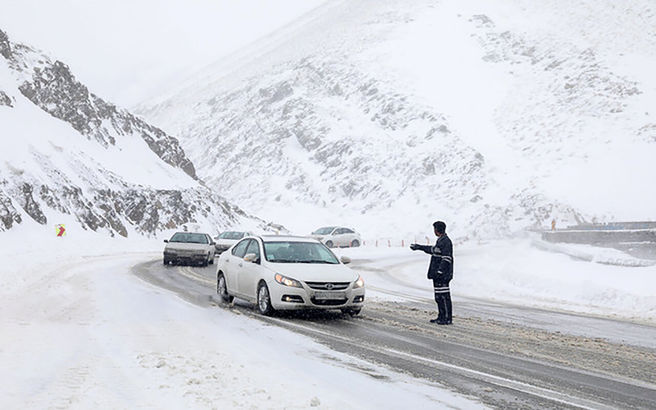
443,299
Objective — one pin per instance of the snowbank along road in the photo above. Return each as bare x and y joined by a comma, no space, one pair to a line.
505,356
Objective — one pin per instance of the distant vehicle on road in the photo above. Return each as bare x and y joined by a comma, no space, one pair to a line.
337,236
189,247
287,273
226,239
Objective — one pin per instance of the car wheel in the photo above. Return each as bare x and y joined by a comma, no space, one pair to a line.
329,244
264,300
211,261
352,312
355,243
166,261
222,289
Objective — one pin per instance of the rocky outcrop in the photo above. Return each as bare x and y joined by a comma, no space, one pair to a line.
8,215
52,176
339,137
5,45
5,99
53,87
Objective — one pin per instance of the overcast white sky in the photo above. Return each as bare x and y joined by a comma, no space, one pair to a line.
126,51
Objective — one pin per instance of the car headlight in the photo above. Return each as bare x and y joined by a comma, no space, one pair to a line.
359,283
284,280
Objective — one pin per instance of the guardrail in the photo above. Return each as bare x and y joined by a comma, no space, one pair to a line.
600,236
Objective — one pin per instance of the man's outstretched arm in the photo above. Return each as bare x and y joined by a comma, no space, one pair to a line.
426,248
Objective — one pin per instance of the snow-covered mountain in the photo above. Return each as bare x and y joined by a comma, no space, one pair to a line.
69,156
494,116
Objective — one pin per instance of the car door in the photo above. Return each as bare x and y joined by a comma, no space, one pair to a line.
349,236
339,237
210,247
250,271
234,264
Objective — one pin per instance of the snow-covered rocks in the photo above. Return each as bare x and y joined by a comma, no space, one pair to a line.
69,155
492,116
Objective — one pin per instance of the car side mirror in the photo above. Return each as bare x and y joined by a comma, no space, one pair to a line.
251,257
212,243
345,260
166,241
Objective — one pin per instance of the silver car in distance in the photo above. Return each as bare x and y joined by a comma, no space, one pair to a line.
288,273
337,236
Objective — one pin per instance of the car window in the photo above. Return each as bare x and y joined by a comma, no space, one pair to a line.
324,231
339,231
187,237
298,252
254,247
346,230
232,235
240,249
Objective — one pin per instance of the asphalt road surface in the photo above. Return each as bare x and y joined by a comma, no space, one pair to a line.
505,356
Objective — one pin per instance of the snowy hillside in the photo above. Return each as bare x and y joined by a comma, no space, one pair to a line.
494,116
69,156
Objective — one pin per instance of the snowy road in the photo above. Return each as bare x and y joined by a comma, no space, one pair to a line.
503,355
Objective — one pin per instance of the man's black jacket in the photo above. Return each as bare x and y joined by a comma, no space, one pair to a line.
441,264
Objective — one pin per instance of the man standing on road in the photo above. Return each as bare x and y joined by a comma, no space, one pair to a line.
440,271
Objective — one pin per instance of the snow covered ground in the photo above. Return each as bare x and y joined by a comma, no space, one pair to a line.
78,330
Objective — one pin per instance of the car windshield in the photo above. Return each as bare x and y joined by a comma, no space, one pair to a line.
298,252
324,231
232,235
186,237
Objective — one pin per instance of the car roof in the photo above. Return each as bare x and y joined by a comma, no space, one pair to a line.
194,233
287,238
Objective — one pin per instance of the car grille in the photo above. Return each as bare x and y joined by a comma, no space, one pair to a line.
188,252
328,285
328,302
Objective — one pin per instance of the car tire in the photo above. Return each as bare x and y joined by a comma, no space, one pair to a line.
329,244
352,312
222,289
211,261
166,261
355,243
264,300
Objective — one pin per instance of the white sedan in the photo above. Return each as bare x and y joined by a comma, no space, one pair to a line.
337,236
286,273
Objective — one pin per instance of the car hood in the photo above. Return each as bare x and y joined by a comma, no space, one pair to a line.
180,246
315,272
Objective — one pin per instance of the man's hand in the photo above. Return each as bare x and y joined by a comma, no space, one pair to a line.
414,246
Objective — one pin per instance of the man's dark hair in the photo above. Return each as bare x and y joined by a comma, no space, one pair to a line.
439,226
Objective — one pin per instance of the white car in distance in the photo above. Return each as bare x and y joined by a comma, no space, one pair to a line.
288,273
226,239
337,236
189,247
